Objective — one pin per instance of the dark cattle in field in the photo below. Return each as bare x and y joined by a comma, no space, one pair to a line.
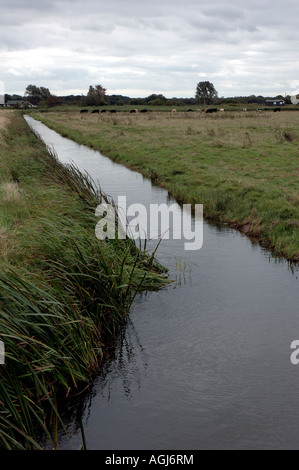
103,111
143,110
277,110
189,110
95,111
113,111
211,110
134,111
84,111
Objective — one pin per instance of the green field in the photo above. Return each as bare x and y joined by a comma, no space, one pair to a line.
243,166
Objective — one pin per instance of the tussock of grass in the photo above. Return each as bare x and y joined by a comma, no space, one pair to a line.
10,191
232,163
63,293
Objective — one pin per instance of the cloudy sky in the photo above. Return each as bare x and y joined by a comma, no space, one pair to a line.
139,47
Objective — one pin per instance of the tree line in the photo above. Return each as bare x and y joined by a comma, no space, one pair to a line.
205,95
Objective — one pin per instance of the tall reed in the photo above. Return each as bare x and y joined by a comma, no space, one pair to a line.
63,293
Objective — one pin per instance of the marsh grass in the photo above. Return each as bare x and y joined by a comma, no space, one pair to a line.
63,293
231,162
247,142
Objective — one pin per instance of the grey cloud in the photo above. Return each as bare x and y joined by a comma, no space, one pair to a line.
226,12
144,45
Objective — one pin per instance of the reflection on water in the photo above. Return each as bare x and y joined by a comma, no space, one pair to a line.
123,370
204,363
126,367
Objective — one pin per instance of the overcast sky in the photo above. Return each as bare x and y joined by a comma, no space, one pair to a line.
140,47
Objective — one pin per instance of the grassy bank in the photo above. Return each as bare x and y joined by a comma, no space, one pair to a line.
242,166
63,293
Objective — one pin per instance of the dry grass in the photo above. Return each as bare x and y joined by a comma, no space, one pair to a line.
4,243
5,118
233,128
10,191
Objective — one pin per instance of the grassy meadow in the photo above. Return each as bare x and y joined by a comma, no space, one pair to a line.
63,293
243,166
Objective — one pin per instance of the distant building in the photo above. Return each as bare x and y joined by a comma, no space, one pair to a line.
275,102
19,104
2,100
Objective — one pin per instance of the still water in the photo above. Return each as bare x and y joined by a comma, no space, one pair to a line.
205,363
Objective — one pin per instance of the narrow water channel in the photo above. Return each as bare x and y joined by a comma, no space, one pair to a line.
205,363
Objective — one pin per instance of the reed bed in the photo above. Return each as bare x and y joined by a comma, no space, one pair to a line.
63,293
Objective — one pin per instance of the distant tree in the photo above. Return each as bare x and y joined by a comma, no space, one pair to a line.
101,94
73,99
119,100
190,101
205,93
32,93
96,96
44,92
53,100
138,101
42,96
16,97
35,94
91,97
175,102
156,100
